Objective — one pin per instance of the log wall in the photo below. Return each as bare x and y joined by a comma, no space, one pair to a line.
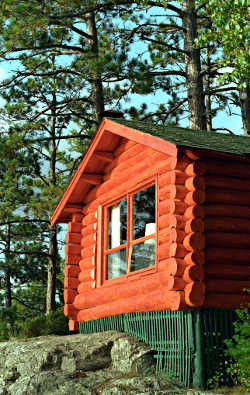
203,236
227,232
132,165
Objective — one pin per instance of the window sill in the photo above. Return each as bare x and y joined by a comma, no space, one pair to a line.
130,276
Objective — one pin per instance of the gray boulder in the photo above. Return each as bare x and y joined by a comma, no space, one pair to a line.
101,363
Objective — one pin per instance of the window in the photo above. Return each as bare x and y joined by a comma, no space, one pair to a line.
130,230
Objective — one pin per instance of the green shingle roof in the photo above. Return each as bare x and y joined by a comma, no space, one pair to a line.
183,137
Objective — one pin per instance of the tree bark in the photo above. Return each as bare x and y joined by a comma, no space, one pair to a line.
196,97
97,89
7,282
245,109
53,247
52,265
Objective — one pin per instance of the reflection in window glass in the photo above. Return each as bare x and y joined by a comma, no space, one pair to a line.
116,264
143,255
144,212
117,224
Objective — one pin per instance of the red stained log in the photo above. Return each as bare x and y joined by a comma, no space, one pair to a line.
87,230
227,182
226,210
70,311
195,197
135,154
174,177
193,273
69,295
72,249
223,271
164,251
228,196
194,211
157,300
227,168
231,240
172,207
176,284
197,168
71,270
195,257
73,325
234,256
174,221
71,282
86,275
193,183
194,241
86,286
73,238
227,286
182,162
194,225
124,146
87,263
173,192
129,289
74,227
233,301
90,218
72,259
88,251
172,266
164,235
88,240
123,182
195,294
227,224
192,154
177,250
77,218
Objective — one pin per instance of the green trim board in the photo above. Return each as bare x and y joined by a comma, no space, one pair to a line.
200,139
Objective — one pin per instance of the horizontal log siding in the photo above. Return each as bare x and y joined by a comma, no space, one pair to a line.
227,232
72,269
132,165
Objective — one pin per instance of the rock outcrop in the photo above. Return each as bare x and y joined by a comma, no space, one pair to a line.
101,363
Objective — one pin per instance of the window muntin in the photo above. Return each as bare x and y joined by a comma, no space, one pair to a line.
130,234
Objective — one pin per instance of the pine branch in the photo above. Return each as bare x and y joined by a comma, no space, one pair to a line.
165,45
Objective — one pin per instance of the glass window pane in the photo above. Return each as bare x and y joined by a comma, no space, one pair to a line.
117,224
116,264
143,255
144,212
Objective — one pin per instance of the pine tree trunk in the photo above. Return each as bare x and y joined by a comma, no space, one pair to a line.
52,264
97,90
245,109
53,247
207,83
196,97
7,282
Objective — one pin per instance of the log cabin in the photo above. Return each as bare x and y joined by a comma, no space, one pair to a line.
158,219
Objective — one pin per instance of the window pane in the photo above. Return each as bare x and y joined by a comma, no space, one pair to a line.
116,264
143,255
144,212
117,224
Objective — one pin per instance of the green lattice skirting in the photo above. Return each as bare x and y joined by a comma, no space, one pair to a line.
188,345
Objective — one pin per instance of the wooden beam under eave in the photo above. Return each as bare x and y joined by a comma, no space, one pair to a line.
93,179
73,208
104,156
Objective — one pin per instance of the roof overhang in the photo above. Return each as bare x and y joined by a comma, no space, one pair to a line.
99,152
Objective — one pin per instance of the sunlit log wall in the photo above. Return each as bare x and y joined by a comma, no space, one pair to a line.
203,236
